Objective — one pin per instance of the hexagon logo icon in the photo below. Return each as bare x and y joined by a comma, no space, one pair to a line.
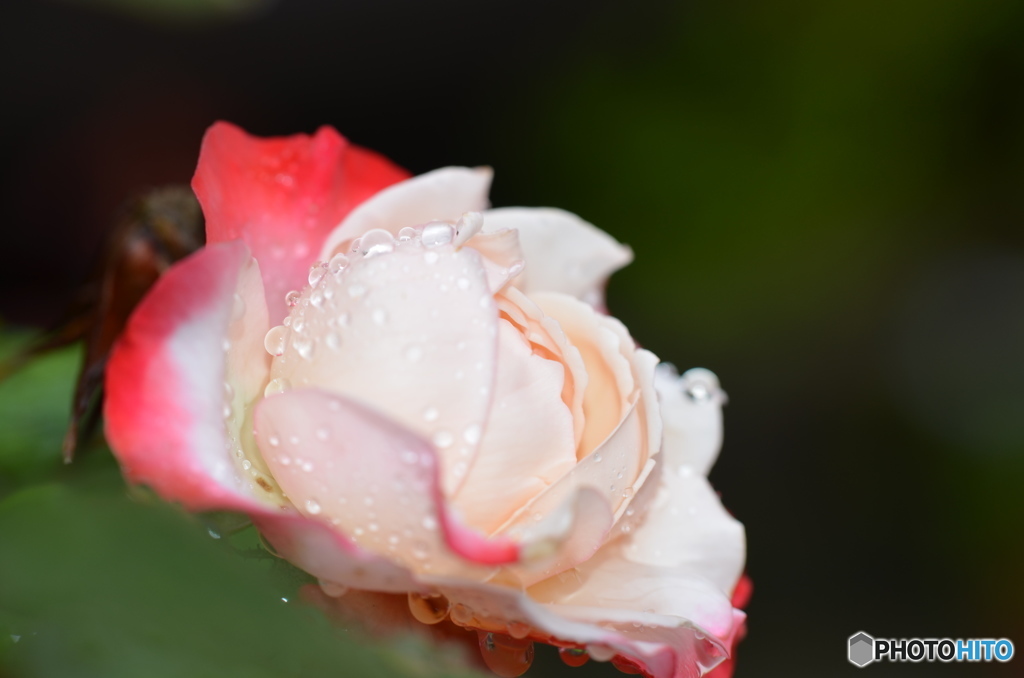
862,649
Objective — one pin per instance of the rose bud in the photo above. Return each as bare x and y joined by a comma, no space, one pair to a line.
411,393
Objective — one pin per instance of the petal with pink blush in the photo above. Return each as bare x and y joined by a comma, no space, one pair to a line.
443,195
412,334
515,461
283,195
563,252
679,649
691,411
165,400
373,480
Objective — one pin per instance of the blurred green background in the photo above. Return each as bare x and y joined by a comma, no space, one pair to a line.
825,204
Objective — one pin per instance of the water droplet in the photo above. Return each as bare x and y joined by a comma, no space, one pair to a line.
246,464
226,411
292,298
627,493
429,523
431,414
313,506
625,666
428,609
409,457
413,353
332,589
356,290
337,264
343,320
573,656
601,653
273,440
376,242
317,298
431,257
443,439
303,346
698,391
333,341
506,656
472,434
460,469
274,342
316,273
278,385
518,630
407,233
380,316
213,533
420,550
437,233
597,458
322,434
373,527
462,284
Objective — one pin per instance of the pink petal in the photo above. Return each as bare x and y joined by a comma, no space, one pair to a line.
411,333
563,252
166,396
371,479
283,195
165,381
443,195
528,441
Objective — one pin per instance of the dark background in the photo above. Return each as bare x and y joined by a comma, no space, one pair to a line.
824,200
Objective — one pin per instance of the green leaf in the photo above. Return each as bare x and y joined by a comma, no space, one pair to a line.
35,403
94,584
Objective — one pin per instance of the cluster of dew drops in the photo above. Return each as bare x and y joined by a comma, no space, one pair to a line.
373,243
508,654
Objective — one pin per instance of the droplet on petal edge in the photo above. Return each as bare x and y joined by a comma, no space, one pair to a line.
504,655
573,656
428,609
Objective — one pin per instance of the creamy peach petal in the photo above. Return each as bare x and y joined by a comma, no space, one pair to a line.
607,351
444,194
413,334
528,440
563,252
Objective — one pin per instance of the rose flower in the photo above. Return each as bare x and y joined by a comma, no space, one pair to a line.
410,393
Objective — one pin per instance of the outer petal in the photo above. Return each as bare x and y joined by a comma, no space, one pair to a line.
677,649
165,382
691,408
444,194
563,252
283,196
166,396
